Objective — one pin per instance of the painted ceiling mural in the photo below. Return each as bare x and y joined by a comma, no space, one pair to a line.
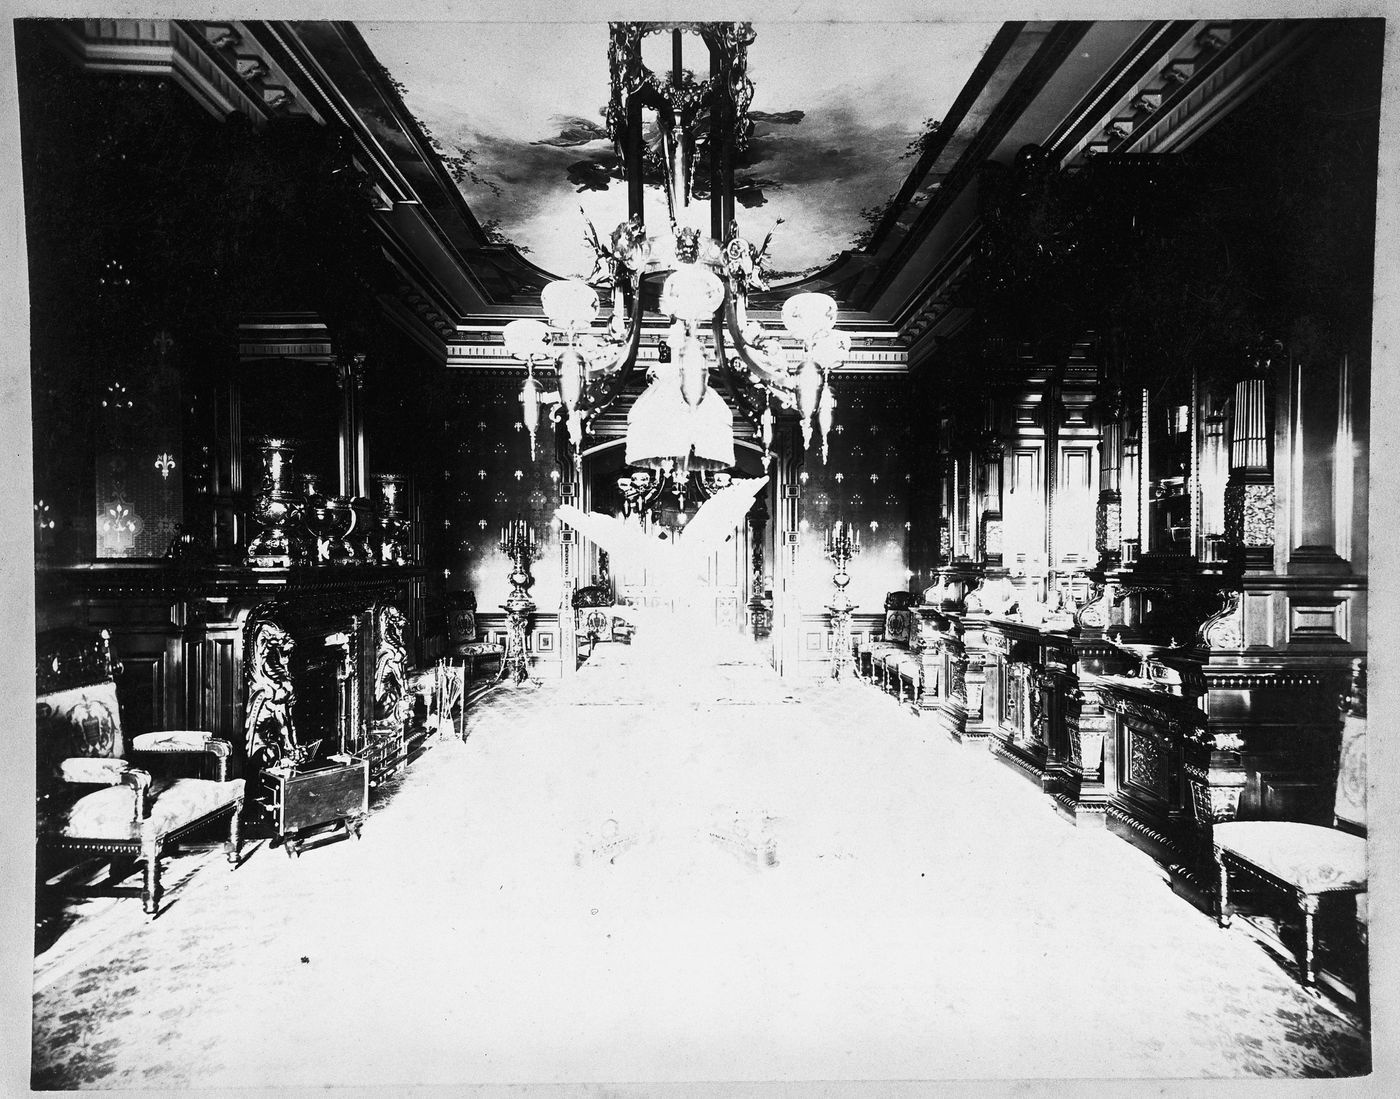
515,110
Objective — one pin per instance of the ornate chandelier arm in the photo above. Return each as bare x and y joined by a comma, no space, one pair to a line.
739,390
602,392
781,383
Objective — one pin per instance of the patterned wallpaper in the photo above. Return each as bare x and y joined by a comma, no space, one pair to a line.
866,479
139,502
490,479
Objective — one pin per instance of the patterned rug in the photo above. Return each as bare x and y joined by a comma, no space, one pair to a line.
821,890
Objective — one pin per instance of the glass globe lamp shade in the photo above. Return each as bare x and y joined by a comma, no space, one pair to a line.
831,348
527,340
808,316
691,293
570,304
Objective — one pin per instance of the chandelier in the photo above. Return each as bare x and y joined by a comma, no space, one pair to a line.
697,271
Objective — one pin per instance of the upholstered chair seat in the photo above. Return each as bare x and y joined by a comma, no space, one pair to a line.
877,658
892,659
92,799
910,669
108,814
1307,859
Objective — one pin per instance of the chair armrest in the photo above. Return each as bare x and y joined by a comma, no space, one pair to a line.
140,783
89,771
172,741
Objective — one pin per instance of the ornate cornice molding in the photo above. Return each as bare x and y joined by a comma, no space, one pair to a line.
1161,94
482,345
1209,70
219,63
299,337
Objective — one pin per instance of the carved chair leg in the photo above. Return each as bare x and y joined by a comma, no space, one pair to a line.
1308,903
150,891
1224,913
235,838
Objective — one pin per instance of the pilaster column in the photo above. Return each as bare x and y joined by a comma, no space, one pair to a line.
1108,518
1250,500
350,379
990,536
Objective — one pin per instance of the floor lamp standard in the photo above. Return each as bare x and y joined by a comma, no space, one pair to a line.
842,543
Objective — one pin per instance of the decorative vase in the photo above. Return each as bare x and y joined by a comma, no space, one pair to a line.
274,506
316,519
341,520
362,531
391,507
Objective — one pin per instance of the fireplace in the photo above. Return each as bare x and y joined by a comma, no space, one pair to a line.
325,676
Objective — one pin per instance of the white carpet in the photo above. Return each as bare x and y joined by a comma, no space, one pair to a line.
813,891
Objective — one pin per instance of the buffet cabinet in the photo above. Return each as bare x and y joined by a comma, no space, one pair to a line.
1019,699
1046,715
1159,765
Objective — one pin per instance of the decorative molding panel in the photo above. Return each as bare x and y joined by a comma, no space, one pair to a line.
1318,620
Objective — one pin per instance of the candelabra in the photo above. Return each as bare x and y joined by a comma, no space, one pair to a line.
518,543
842,543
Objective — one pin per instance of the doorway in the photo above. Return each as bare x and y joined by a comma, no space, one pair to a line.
728,572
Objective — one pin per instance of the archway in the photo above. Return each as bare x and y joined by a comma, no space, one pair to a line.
728,570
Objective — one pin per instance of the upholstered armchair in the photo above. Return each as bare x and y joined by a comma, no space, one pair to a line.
92,798
597,617
462,642
1308,860
878,658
